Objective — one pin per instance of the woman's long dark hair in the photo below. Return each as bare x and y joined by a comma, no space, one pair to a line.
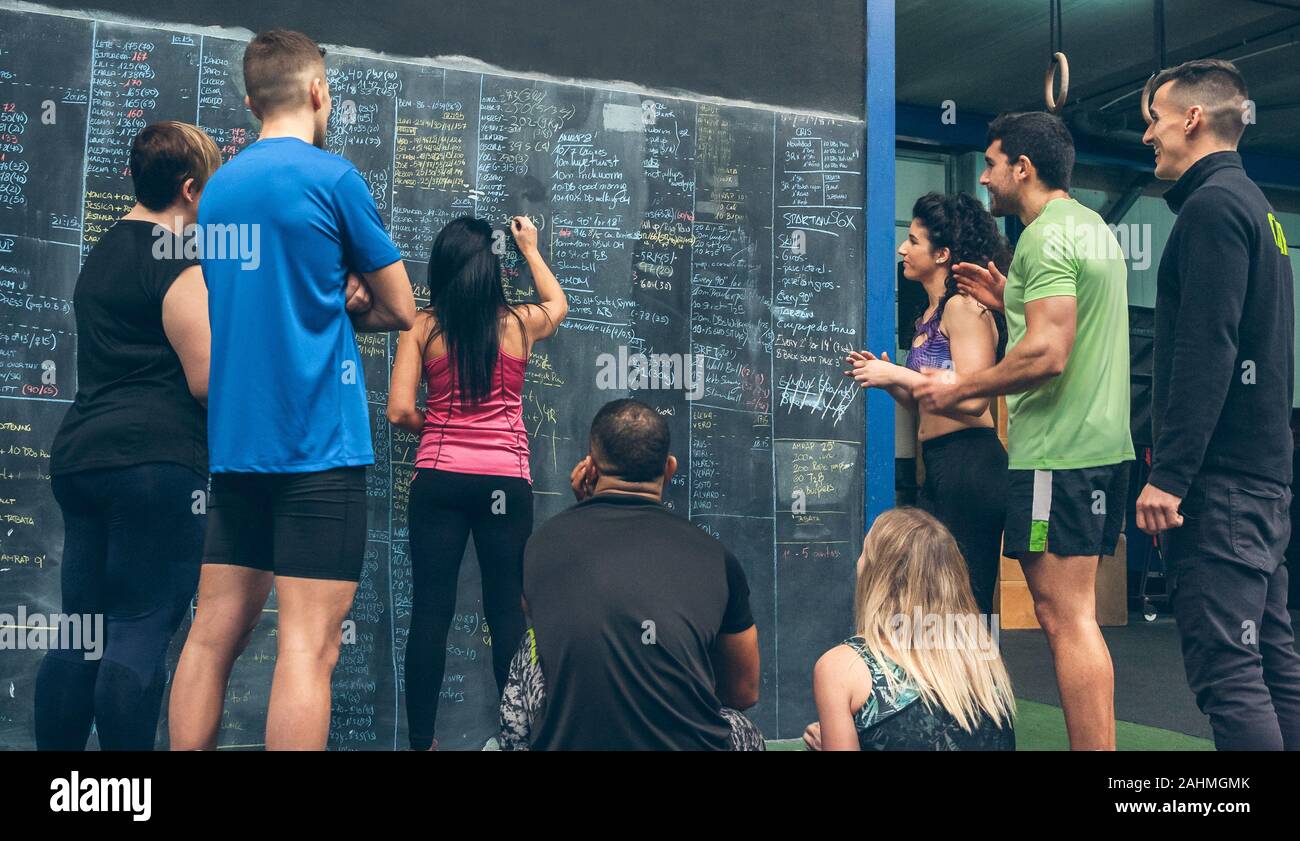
467,299
960,224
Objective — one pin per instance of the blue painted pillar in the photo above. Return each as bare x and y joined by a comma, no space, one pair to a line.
880,328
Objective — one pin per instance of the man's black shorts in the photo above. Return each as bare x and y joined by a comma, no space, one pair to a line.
299,525
1065,512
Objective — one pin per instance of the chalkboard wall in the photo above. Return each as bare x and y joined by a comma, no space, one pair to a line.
802,55
730,236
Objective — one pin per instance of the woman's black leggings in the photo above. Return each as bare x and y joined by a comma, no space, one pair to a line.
444,508
133,540
966,489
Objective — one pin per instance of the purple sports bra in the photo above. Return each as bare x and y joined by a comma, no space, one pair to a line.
933,352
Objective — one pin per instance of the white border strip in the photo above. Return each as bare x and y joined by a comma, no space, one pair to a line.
447,62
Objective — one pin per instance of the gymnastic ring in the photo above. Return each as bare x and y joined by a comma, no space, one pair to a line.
1058,60
1146,99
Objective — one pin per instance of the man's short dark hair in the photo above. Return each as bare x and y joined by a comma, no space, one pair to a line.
274,64
1214,84
630,441
1041,137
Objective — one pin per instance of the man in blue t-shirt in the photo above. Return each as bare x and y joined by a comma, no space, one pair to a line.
282,228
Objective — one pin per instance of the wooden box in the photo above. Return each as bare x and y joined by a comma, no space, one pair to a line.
1016,606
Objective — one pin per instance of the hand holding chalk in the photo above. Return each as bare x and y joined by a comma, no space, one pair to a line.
525,233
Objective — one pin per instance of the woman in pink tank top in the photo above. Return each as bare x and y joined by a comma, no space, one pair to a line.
471,348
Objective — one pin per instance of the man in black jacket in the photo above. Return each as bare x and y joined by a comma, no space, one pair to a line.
1220,482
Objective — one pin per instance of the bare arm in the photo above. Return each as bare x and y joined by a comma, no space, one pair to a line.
185,321
972,339
900,382
392,302
404,384
833,693
872,372
735,665
543,318
1037,358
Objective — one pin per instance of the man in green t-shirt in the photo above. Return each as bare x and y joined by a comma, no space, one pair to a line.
1066,377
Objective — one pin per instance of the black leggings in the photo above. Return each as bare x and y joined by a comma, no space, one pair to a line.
444,508
133,537
966,489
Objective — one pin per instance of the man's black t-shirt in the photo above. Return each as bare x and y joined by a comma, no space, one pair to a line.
627,600
133,404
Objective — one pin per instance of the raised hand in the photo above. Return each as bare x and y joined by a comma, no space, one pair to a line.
525,233
583,479
985,285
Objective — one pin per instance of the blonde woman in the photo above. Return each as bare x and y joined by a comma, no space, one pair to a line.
923,671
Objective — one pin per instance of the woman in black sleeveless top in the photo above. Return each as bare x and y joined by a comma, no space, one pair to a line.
129,464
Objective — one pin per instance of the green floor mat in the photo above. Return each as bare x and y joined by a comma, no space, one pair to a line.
1042,727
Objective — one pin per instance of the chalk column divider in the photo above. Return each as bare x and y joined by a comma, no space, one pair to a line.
85,149
690,314
390,352
771,433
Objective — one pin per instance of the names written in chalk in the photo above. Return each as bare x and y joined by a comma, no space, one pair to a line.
725,239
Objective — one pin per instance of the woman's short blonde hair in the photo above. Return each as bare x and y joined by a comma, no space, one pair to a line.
165,155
